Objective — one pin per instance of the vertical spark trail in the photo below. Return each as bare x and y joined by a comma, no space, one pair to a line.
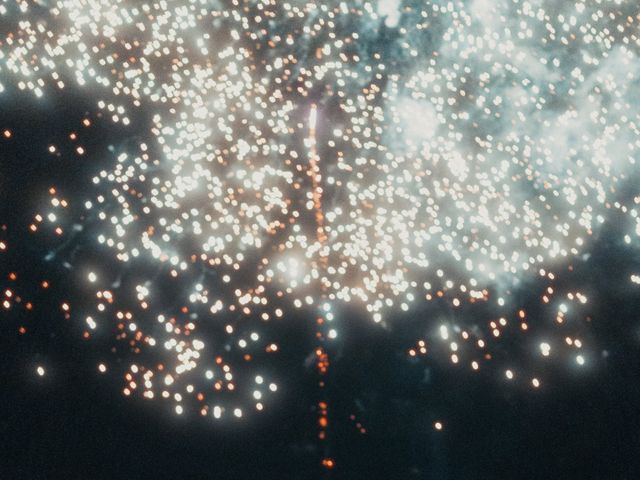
322,356
316,177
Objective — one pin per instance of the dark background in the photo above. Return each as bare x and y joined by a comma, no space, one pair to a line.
74,424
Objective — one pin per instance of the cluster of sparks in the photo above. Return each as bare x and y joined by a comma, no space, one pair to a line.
302,155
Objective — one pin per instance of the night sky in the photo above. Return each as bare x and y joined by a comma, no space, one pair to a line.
393,412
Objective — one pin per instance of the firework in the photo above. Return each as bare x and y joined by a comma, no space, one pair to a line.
303,155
